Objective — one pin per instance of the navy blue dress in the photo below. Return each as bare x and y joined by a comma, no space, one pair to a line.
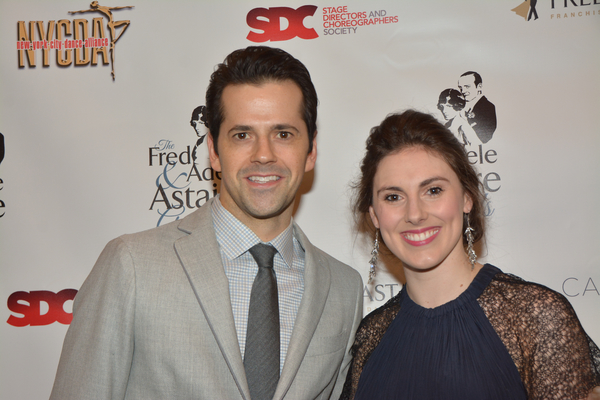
449,352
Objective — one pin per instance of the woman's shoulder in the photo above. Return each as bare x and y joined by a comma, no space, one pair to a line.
389,308
377,321
514,285
541,331
531,298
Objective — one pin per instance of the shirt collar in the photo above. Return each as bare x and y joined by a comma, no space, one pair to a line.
235,238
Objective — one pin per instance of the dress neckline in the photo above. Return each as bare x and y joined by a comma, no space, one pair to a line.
475,289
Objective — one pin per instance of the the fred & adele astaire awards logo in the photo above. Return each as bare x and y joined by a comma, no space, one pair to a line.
79,41
186,180
472,118
557,10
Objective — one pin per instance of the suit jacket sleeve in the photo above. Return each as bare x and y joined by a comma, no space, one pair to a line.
358,312
98,347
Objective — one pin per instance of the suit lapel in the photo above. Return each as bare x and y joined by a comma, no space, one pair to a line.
200,257
317,280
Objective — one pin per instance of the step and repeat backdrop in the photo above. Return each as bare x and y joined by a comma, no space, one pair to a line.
101,134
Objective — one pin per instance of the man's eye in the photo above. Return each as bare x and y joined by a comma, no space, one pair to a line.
241,135
284,135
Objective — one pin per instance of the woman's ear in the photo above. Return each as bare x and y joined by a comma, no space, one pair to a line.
468,206
373,217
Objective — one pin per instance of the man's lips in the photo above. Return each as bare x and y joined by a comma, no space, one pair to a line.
263,179
421,237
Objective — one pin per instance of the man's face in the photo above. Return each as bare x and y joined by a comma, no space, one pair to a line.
263,152
466,85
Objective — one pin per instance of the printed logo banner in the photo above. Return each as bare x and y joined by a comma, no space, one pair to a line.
103,133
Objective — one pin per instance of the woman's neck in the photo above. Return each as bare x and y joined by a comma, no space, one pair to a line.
441,284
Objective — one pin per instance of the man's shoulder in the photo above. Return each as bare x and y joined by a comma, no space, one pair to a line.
321,257
332,261
197,220
484,103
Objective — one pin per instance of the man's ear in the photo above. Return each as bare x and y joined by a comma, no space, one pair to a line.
215,161
312,156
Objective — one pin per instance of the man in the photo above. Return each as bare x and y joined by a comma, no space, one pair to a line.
478,111
168,313
532,10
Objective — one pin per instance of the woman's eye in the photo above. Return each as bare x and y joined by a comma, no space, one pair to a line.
392,197
435,191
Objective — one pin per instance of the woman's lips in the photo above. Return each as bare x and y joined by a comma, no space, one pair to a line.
421,237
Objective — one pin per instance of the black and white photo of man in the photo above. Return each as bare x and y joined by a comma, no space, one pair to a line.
478,110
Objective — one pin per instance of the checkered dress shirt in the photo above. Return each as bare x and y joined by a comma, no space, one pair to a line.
235,239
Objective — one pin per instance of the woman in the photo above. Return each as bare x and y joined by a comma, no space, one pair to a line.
458,329
450,103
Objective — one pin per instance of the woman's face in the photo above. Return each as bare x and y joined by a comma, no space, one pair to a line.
418,205
448,111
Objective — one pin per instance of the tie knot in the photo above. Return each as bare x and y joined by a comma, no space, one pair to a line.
263,254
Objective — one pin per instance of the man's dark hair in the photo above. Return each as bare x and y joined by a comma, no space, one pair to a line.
476,76
256,65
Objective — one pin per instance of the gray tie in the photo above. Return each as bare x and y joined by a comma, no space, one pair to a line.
261,357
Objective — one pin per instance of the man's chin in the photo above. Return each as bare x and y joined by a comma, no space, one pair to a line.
267,213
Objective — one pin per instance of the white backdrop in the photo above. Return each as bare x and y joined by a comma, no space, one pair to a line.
79,170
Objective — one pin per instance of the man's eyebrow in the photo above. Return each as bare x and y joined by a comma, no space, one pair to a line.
241,128
276,127
281,127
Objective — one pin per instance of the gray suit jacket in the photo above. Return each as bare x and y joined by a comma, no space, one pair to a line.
153,320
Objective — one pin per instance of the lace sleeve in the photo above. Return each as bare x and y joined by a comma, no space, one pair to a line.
555,357
369,334
561,364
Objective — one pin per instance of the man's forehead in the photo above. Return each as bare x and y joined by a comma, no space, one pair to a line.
467,79
227,93
262,83
247,116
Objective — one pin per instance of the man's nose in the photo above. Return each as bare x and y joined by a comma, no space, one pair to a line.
263,151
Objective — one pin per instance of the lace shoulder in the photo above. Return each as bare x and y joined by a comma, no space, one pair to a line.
369,334
555,357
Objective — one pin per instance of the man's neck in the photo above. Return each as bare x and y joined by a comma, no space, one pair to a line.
471,104
269,229
265,228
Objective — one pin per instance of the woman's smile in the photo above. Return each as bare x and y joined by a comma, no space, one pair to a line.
421,237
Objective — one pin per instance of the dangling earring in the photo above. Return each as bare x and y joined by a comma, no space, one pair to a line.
470,252
374,255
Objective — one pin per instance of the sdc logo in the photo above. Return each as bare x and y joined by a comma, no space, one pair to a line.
268,20
32,311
